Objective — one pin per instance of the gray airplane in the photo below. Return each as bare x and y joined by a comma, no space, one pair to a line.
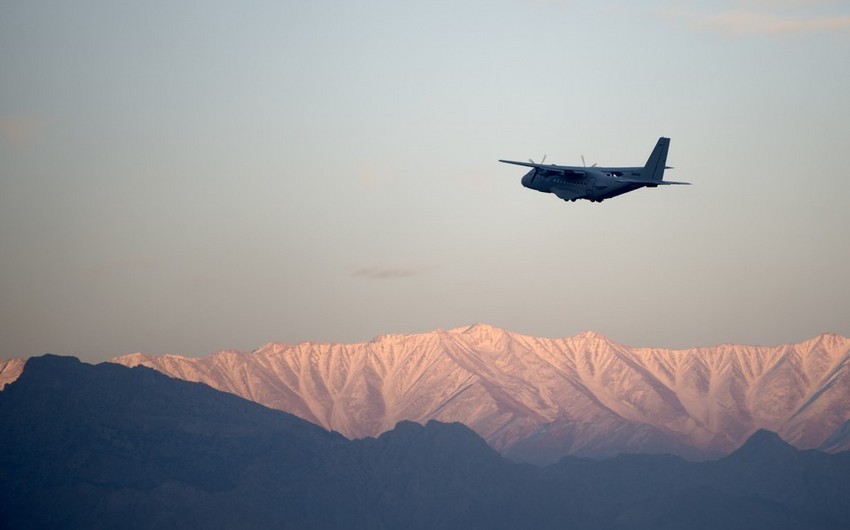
597,183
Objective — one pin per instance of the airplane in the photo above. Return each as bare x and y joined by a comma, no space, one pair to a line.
593,183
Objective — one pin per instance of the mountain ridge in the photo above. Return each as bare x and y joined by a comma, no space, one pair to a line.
538,399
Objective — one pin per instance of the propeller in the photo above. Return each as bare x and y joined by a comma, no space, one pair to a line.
585,165
541,161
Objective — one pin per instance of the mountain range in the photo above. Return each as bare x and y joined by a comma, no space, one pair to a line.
536,399
106,446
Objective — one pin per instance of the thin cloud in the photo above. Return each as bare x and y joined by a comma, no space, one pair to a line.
742,22
774,4
388,273
760,18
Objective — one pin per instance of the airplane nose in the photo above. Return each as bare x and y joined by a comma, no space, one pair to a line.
526,180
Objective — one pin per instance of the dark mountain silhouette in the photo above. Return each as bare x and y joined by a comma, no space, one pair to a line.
107,446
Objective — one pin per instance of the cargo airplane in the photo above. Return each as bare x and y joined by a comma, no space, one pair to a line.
594,183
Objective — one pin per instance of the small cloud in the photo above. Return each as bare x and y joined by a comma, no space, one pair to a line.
369,179
129,264
479,181
388,273
371,175
20,130
135,262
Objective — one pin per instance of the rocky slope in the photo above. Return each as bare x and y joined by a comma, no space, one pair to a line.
539,399
10,370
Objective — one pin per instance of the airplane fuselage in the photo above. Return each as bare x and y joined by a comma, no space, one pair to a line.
592,183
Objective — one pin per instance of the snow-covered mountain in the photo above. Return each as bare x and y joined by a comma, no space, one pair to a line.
539,399
10,369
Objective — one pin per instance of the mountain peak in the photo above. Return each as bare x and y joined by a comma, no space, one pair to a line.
764,444
829,339
479,328
484,336
451,441
589,334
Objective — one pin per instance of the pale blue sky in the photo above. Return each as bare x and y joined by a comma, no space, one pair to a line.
184,177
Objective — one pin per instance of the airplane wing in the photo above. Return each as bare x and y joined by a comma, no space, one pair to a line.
514,162
551,167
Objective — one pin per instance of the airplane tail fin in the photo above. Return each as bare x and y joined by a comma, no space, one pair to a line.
654,168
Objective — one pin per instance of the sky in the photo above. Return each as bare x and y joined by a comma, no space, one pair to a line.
188,177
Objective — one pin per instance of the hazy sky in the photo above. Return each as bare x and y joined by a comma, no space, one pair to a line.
185,177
